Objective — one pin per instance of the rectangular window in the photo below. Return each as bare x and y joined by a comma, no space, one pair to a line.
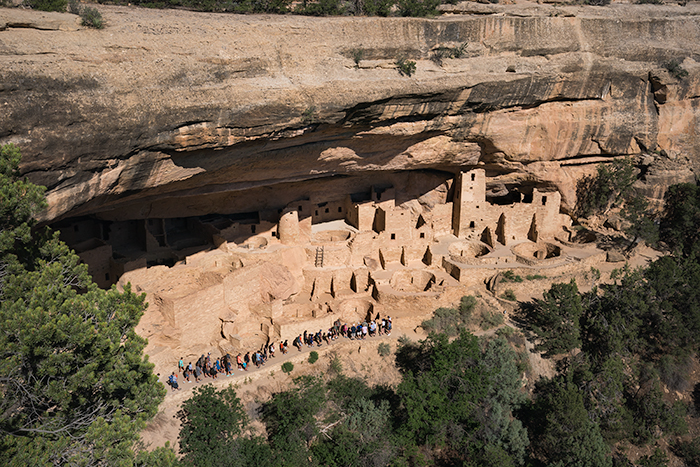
340,209
252,229
393,236
544,200
422,235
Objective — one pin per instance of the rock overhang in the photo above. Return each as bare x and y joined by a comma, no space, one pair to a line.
157,108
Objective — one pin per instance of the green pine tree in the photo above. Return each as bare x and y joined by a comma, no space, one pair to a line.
76,388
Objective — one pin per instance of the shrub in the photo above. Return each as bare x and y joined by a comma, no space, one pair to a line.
444,320
523,361
357,55
689,451
509,276
270,6
676,70
308,116
406,67
438,55
418,8
458,51
384,349
450,320
674,372
74,7
321,8
534,277
491,320
376,7
287,367
466,307
448,52
92,18
509,295
313,357
48,5
336,366
505,331
658,459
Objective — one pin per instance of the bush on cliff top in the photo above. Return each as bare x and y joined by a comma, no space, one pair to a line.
92,18
314,7
48,5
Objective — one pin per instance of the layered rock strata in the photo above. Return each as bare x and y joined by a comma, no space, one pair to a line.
172,114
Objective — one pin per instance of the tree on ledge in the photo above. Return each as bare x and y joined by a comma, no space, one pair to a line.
553,322
75,387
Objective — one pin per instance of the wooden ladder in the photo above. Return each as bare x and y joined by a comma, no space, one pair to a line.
319,256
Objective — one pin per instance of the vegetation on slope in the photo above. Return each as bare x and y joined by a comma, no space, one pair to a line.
415,8
455,402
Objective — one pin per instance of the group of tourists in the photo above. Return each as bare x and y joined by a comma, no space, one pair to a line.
209,367
356,331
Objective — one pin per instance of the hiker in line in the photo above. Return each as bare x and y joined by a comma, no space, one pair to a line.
172,380
228,364
372,329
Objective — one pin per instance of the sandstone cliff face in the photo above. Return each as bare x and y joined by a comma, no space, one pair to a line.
173,113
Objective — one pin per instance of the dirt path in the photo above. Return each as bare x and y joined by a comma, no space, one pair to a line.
358,358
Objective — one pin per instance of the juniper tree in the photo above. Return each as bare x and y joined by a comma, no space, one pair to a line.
76,388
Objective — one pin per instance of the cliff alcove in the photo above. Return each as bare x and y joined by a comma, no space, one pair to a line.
248,169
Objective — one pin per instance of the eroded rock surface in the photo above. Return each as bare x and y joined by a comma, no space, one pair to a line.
174,114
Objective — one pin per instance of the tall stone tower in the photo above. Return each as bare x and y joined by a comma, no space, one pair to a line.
469,200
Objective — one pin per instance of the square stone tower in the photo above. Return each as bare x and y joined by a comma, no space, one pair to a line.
469,202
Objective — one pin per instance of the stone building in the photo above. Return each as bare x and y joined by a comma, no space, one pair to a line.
532,218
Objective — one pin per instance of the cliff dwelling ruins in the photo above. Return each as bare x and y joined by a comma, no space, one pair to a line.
243,279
